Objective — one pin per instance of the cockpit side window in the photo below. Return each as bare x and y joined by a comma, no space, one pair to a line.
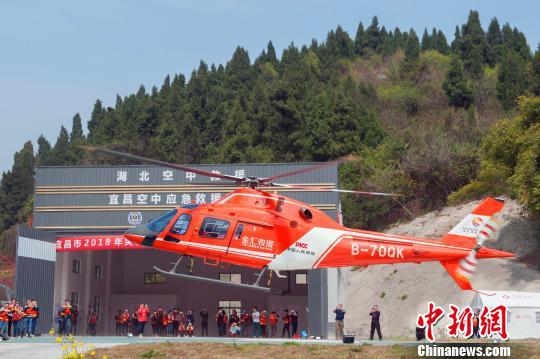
214,228
160,223
182,224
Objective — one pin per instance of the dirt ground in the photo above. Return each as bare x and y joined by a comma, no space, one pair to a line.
286,350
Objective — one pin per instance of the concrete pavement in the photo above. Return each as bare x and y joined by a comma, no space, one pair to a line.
45,347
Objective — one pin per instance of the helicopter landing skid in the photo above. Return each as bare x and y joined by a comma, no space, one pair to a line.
254,286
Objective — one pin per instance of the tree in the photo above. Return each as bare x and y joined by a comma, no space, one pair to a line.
510,158
426,41
412,50
373,37
456,43
473,45
441,44
360,40
16,186
76,129
60,154
456,87
44,152
536,72
494,41
512,79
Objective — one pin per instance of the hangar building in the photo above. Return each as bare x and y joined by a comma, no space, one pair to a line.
75,249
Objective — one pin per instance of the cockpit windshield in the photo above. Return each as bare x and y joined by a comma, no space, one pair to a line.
158,224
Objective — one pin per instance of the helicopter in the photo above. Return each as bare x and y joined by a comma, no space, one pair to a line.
257,228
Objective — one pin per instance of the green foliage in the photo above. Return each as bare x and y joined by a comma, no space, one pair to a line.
472,45
16,187
511,158
536,73
455,85
405,96
412,50
376,169
512,80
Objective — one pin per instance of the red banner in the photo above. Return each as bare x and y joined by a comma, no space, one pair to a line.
94,243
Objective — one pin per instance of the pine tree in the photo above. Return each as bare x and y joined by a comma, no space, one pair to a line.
17,186
441,44
399,42
536,72
339,44
412,50
426,41
60,154
44,152
456,43
373,38
512,79
389,45
473,45
456,87
76,129
494,41
360,40
271,54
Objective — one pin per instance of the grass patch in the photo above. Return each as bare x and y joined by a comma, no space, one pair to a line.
383,294
152,354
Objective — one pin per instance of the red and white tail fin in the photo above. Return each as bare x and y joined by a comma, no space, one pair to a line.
466,232
477,227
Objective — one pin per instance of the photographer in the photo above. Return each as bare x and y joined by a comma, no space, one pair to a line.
375,324
340,317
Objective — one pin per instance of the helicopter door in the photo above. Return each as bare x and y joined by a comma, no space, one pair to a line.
236,235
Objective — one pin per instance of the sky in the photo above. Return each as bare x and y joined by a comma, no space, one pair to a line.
58,57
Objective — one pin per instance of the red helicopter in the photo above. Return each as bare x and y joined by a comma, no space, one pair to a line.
256,228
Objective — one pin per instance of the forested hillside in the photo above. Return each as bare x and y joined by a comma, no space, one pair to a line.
410,114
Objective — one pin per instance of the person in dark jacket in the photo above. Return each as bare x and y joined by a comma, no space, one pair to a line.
286,324
190,317
375,324
340,317
220,315
204,322
294,323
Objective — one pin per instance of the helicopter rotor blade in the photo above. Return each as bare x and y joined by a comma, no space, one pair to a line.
323,189
163,163
296,172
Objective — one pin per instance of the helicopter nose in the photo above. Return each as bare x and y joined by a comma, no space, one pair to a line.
141,235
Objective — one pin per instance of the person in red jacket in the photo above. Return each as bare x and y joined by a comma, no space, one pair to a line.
142,317
189,329
27,320
245,323
4,319
273,319
65,314
92,323
35,316
124,322
182,329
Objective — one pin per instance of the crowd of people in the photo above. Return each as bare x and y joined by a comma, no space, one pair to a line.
177,323
17,321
